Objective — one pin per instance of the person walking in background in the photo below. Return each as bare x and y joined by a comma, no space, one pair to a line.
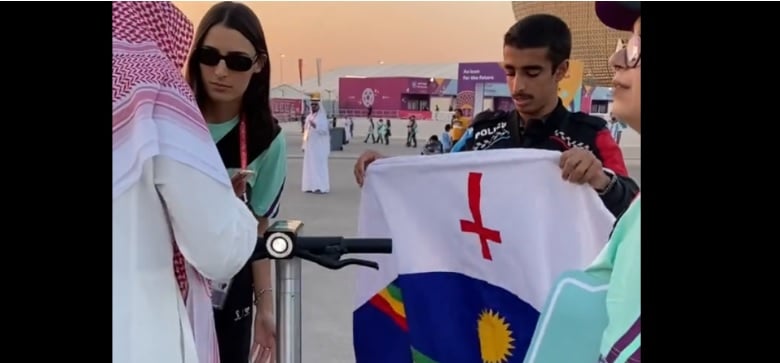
616,129
350,126
347,131
411,132
446,140
176,219
389,131
230,72
383,130
316,176
370,132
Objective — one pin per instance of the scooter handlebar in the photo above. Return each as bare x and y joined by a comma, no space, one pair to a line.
368,245
324,245
282,241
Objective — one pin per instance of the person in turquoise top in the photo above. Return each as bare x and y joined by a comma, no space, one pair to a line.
595,315
229,70
382,132
620,261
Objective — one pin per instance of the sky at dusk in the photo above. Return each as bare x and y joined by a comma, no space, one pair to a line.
363,33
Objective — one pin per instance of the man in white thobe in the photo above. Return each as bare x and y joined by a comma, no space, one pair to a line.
170,189
316,178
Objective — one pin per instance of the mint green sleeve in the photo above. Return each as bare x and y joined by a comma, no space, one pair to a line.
270,175
602,266
620,261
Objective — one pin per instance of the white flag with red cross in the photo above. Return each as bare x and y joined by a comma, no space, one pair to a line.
479,238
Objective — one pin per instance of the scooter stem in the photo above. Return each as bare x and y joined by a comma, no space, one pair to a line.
288,313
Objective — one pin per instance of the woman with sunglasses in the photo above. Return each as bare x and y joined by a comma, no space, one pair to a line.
620,261
229,71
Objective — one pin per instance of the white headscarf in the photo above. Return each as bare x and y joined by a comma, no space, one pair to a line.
154,110
155,113
320,119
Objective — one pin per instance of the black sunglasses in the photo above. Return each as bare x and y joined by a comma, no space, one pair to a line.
235,62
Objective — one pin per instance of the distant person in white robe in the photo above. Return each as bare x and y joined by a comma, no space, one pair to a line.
316,178
349,127
177,221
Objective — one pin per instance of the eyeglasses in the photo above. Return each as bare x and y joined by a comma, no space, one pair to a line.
235,62
629,56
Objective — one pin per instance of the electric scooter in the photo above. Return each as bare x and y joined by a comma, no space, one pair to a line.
283,244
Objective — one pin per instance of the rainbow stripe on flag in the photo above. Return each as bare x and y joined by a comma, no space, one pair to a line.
382,331
390,302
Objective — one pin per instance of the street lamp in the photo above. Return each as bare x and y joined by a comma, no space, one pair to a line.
330,100
281,68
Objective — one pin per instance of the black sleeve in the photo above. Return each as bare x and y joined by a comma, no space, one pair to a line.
619,197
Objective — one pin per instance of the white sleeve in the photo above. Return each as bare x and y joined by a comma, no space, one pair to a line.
322,125
214,230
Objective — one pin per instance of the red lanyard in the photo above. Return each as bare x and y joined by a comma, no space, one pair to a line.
242,148
242,141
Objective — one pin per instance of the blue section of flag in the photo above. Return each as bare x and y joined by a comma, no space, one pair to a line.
443,312
377,338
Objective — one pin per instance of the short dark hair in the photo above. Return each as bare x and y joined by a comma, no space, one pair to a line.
447,127
542,31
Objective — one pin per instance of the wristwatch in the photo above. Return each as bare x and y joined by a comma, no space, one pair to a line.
610,185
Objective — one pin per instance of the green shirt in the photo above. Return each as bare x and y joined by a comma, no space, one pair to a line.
620,263
270,169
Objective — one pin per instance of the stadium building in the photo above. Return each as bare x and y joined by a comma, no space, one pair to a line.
592,42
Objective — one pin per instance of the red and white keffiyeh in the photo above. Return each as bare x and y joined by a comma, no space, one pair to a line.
155,113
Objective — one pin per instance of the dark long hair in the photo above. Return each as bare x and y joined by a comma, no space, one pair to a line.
255,103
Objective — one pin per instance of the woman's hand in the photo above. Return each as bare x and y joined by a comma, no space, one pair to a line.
239,183
264,345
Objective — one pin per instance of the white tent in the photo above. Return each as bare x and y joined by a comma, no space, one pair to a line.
289,92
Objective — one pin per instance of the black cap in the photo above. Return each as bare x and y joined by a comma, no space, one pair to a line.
619,15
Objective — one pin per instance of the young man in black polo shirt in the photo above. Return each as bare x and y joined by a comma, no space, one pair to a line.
536,57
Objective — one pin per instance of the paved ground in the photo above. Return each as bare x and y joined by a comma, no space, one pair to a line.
328,295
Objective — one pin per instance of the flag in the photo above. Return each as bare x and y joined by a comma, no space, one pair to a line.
319,70
300,71
478,240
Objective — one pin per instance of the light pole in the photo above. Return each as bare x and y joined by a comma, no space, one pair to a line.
330,100
281,68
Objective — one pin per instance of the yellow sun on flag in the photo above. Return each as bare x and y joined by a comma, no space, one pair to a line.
495,337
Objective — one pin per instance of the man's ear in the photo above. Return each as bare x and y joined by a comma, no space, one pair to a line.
561,71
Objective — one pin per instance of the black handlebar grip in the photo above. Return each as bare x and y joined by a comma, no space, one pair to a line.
317,245
368,245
